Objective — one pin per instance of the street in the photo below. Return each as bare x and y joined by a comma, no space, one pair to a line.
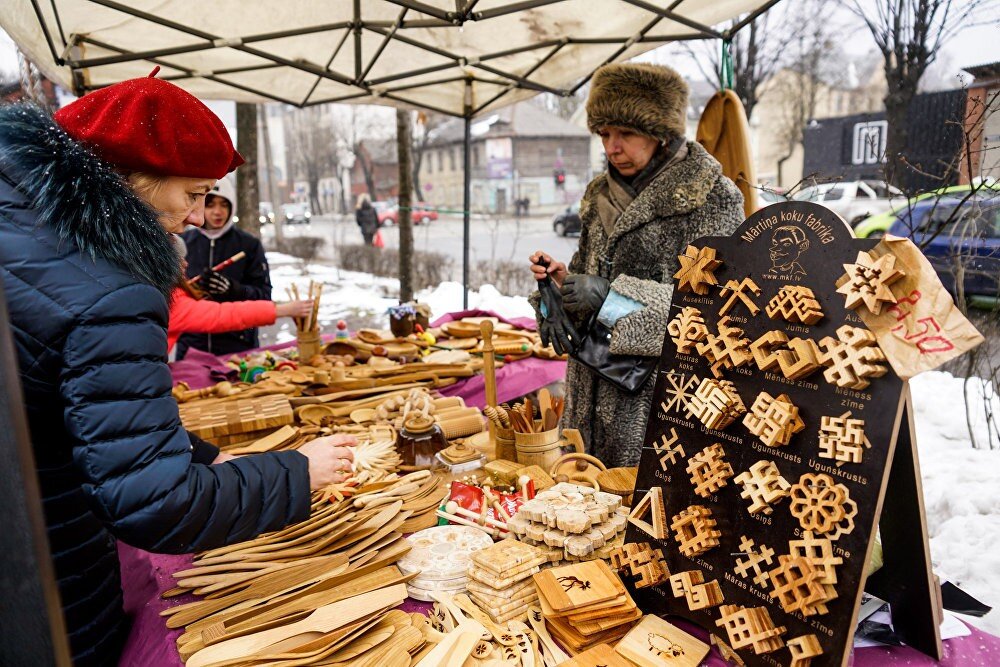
491,238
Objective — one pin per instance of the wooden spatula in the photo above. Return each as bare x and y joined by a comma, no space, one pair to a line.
323,620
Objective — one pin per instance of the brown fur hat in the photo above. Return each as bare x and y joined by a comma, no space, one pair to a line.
651,99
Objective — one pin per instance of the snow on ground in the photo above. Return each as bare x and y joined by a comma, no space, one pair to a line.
961,489
362,297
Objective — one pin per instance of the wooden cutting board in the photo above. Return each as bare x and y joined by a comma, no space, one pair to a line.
578,585
239,416
601,655
654,643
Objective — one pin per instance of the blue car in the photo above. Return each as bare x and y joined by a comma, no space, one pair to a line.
958,237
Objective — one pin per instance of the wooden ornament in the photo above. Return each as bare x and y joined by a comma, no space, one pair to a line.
763,486
750,626
698,593
822,505
697,265
796,586
795,303
867,282
645,564
803,650
687,329
651,504
727,349
694,530
601,655
755,560
795,359
655,642
773,420
842,439
668,449
852,358
716,404
709,470
680,389
741,291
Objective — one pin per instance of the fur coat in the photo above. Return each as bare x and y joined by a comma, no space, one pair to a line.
685,201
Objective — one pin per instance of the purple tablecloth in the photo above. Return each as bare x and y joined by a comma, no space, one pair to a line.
513,380
145,576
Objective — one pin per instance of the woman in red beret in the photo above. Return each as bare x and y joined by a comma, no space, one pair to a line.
86,206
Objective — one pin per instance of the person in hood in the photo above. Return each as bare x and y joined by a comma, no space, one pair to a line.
367,218
88,199
659,194
245,280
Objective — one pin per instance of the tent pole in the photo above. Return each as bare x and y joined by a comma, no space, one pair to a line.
467,193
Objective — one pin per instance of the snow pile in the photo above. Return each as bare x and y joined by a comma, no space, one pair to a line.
961,488
447,298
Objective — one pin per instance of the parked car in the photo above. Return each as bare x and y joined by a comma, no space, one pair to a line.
877,225
767,197
953,233
265,212
421,213
853,200
567,222
296,213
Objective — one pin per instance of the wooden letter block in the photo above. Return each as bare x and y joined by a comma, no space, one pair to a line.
695,274
750,626
698,593
694,530
866,282
687,329
655,642
795,303
773,420
762,486
709,470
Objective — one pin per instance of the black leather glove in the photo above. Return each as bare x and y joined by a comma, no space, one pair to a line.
584,295
216,284
556,329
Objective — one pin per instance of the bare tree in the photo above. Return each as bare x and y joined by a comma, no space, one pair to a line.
908,34
312,146
427,123
563,106
404,218
246,176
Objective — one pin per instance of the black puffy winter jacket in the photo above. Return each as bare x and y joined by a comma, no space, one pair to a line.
87,271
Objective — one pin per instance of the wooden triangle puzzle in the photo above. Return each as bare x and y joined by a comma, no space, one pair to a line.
651,503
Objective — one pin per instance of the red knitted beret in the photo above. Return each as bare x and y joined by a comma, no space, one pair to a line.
152,126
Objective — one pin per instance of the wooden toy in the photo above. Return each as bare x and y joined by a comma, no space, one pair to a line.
643,563
795,303
754,560
803,650
709,470
842,439
822,506
796,586
695,274
750,627
655,642
680,388
651,504
687,329
852,358
796,358
740,290
728,349
668,449
698,593
867,282
819,552
694,530
763,486
716,404
773,420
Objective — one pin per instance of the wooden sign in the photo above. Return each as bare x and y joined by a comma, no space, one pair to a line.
776,436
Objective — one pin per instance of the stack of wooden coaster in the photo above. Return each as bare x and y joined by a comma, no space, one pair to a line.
571,523
440,558
585,604
500,580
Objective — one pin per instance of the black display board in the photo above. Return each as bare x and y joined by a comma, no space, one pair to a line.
788,244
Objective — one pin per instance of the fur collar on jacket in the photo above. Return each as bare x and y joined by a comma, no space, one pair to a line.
82,198
678,190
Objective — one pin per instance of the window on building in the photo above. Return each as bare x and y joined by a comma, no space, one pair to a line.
451,158
475,156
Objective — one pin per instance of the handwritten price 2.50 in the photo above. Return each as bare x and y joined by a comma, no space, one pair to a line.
927,341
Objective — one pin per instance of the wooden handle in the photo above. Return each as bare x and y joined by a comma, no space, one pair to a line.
489,375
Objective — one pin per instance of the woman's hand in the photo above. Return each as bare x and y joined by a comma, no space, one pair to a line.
293,309
330,459
223,457
556,270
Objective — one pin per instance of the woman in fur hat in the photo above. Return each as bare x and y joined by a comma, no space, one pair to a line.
659,194
87,199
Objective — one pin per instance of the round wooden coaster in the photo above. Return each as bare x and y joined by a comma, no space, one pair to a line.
443,553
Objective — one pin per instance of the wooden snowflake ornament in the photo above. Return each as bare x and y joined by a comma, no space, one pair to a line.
867,282
697,265
687,329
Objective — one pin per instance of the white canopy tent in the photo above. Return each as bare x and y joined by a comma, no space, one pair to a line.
457,57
